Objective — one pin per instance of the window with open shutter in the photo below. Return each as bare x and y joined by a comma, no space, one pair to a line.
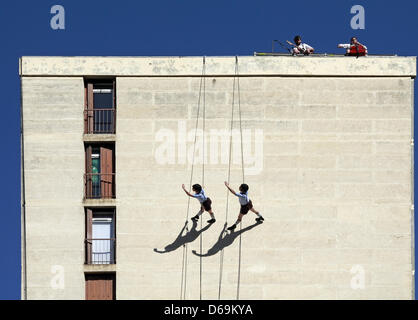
100,242
99,114
106,165
100,174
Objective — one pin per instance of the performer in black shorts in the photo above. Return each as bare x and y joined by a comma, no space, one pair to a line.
246,204
205,202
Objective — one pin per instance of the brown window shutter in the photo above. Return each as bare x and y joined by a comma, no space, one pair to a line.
88,178
106,170
114,94
89,112
89,234
88,289
114,107
109,289
100,287
85,109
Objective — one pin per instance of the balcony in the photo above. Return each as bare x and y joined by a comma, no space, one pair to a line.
100,121
99,186
100,251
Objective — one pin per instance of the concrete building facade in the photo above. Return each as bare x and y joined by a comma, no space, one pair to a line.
328,156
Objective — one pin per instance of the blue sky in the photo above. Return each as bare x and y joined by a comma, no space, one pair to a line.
167,27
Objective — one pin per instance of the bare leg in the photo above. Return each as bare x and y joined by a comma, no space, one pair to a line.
196,217
236,223
255,211
212,216
260,218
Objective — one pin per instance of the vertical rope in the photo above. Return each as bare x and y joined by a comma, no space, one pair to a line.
200,274
243,179
229,176
184,260
203,166
203,121
239,262
240,121
183,275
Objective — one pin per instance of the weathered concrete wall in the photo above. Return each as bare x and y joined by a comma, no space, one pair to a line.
334,188
333,182
54,168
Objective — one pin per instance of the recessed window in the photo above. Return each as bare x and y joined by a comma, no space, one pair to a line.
100,175
100,236
100,105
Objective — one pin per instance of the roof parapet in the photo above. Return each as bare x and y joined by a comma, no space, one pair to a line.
370,66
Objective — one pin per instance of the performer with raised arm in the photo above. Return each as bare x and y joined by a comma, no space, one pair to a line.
246,204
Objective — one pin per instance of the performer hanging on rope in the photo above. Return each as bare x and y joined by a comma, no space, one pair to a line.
205,202
246,204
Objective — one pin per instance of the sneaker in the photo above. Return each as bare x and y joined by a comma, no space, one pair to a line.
195,218
259,219
211,220
232,227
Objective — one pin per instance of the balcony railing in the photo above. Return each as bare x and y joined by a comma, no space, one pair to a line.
99,121
100,251
99,185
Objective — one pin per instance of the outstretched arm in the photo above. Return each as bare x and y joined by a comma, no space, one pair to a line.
229,188
291,43
187,192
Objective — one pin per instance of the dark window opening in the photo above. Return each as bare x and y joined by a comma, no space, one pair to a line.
100,106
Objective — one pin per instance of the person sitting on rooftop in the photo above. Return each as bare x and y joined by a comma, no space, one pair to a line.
299,47
354,48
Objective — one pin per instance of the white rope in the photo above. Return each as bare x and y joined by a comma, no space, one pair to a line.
184,260
243,177
235,80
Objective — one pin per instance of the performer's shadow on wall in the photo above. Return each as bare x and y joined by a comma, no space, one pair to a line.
225,239
190,236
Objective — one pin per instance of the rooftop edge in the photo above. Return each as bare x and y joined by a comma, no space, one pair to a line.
371,66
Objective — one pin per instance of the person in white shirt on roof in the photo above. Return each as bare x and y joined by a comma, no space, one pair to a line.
246,204
205,202
301,48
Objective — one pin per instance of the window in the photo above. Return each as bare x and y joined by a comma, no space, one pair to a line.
100,238
100,175
100,286
100,104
